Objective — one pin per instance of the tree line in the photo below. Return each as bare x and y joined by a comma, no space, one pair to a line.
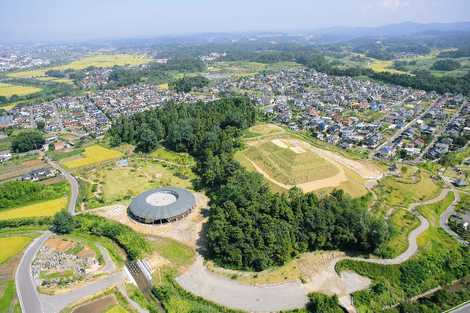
249,227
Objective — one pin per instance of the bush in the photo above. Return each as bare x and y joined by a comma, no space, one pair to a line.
133,243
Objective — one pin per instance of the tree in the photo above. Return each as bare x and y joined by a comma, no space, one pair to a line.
445,65
63,223
27,140
147,140
40,125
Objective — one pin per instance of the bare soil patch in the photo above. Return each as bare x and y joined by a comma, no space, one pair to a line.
97,306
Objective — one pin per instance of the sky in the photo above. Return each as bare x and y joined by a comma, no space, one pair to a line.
73,20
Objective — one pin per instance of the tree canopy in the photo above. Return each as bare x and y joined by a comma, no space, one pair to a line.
250,227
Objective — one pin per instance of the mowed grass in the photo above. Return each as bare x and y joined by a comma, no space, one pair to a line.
114,183
8,90
99,60
289,167
11,246
92,155
45,208
178,254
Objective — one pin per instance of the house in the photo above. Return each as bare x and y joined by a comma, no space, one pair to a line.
39,174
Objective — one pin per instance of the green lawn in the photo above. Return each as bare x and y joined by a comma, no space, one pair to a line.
177,253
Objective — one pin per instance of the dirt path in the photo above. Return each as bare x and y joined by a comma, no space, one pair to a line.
266,298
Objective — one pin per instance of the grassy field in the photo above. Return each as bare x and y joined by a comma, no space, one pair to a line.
92,155
116,309
403,223
99,60
8,90
287,166
178,254
288,160
11,246
6,299
45,208
384,66
112,183
400,192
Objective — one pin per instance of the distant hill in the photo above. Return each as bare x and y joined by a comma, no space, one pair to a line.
391,30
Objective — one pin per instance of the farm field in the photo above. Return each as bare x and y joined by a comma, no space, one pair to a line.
8,90
20,166
45,208
11,246
113,183
92,155
99,60
286,161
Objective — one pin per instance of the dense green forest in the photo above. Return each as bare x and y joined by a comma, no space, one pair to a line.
154,72
16,193
249,226
186,84
445,65
27,140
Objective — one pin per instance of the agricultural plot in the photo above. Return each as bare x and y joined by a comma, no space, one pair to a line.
41,209
11,246
100,60
286,161
245,68
8,90
92,155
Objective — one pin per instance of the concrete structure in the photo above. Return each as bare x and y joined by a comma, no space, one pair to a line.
162,205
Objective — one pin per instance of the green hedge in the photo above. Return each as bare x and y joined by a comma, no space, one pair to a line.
133,243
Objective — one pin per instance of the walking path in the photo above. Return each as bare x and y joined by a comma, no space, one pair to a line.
268,298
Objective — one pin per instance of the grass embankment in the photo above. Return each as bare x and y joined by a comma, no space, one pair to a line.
6,300
440,260
8,90
91,155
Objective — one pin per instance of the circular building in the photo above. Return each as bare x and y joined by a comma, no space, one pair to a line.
162,205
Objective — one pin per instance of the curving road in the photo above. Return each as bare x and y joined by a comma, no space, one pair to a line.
74,187
32,301
200,281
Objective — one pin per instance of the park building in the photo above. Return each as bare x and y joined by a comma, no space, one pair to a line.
162,205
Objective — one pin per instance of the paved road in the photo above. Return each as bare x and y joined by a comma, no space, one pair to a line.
447,213
200,281
25,288
74,187
33,302
463,309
